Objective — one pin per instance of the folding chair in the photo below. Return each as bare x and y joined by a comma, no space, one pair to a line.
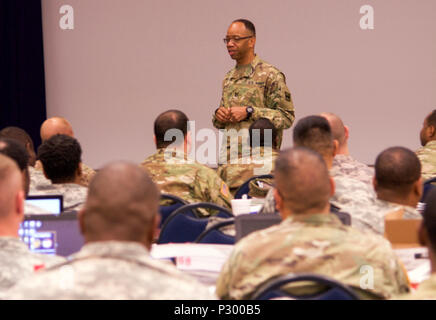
166,210
334,290
213,234
185,225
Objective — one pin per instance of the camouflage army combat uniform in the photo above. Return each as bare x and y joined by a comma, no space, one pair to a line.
87,173
349,193
261,162
74,195
37,178
17,262
318,244
111,270
192,182
426,291
427,156
372,217
353,168
263,87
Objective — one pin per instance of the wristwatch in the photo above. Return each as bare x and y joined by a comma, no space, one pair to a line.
249,111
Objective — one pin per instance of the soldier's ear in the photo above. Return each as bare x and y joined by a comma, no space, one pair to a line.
431,130
374,183
80,216
347,132
154,139
335,147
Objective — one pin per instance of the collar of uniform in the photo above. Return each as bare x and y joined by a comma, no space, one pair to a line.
431,144
315,219
122,249
343,158
173,156
245,70
394,205
13,244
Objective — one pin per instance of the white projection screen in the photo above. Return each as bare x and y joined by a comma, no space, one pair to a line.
126,61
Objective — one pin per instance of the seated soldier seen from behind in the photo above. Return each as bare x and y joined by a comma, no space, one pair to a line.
118,222
427,238
309,239
260,161
61,161
59,125
427,153
176,174
16,260
343,162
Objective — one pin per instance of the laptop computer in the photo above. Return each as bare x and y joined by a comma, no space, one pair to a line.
44,204
52,234
247,223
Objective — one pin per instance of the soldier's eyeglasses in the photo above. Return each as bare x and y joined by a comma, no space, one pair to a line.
235,39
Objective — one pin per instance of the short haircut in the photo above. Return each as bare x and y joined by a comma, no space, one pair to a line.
314,132
60,156
302,179
431,119
122,204
171,119
336,126
16,151
429,217
10,182
248,25
258,139
17,134
397,169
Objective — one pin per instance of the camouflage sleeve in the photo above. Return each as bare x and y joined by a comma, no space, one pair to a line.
216,123
278,101
269,206
213,188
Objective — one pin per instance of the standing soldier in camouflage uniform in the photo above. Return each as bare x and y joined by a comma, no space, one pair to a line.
263,144
118,223
427,153
343,161
253,89
59,125
61,160
16,261
310,239
176,174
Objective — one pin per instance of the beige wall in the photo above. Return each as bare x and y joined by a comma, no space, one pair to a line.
128,60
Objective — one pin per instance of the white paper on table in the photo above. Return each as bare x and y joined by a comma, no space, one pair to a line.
194,256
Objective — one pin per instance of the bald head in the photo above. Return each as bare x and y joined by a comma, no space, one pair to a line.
122,205
337,127
397,169
302,180
55,125
11,187
169,120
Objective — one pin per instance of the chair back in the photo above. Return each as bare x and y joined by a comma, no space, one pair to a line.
184,225
213,234
334,290
166,210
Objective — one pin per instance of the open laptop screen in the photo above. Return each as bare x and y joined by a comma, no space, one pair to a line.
248,223
52,234
44,204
